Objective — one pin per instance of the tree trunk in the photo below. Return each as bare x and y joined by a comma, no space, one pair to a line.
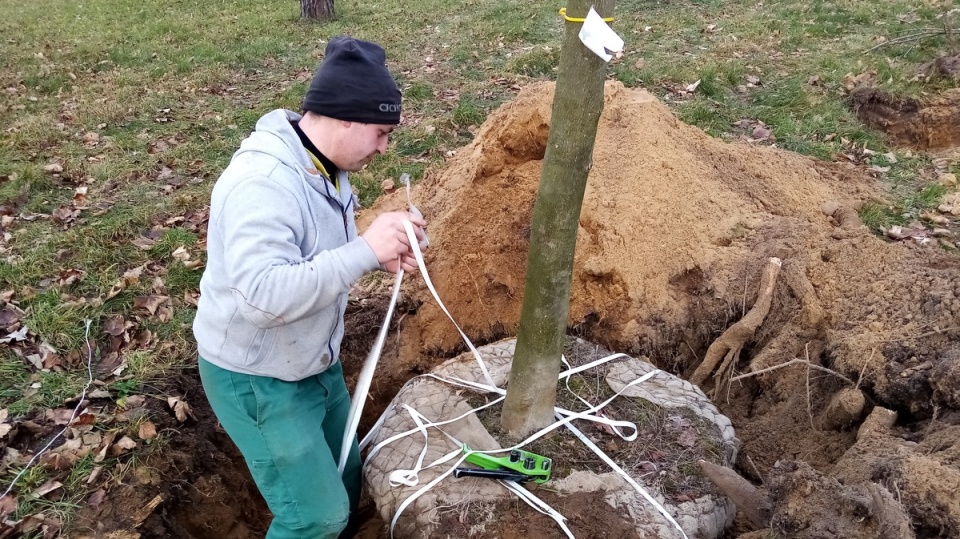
532,391
320,10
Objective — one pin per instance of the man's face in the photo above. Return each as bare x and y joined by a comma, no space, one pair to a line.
361,143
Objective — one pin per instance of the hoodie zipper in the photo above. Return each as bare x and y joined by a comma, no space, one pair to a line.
343,210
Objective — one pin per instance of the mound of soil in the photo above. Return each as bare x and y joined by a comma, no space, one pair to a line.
674,232
662,229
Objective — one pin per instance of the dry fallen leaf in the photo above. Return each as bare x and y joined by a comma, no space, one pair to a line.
191,297
96,498
181,254
85,418
9,316
935,218
70,276
61,460
134,401
16,336
99,394
107,442
46,488
8,505
180,408
115,325
122,446
761,133
144,243
150,302
53,168
64,215
59,416
148,431
94,474
863,79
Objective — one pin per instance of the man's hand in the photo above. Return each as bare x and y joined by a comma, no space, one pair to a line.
388,239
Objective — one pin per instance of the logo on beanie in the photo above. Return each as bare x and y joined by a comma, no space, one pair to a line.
389,107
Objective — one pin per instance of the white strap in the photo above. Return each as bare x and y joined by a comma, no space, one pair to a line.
426,279
365,378
593,447
425,488
538,504
438,424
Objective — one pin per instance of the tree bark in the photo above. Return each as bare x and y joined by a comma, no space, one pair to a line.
320,10
577,104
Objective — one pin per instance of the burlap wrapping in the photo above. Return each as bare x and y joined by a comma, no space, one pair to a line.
705,517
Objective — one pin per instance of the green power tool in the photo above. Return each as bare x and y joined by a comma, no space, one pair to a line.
518,466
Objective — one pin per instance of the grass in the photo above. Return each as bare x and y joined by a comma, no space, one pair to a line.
170,89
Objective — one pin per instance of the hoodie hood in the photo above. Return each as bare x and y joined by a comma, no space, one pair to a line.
274,136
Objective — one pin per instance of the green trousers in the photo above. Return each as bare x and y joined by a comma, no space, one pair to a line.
290,435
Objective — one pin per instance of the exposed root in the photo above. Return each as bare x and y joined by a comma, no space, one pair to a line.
750,501
880,421
782,347
845,408
794,362
812,314
727,347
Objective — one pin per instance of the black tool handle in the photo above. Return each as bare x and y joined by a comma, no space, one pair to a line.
490,474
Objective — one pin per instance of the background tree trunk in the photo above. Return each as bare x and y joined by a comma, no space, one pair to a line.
532,391
321,10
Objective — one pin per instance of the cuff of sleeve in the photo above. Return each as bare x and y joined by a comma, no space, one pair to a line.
360,257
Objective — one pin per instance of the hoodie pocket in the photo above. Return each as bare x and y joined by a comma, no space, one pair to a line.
260,348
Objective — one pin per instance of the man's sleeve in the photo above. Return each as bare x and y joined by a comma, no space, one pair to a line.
273,284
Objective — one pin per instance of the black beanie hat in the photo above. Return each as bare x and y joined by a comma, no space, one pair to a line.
354,85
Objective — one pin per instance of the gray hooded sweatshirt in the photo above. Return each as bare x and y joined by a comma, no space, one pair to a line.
282,253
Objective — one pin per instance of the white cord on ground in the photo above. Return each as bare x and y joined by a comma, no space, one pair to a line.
76,410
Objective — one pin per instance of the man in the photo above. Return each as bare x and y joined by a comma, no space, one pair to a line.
282,253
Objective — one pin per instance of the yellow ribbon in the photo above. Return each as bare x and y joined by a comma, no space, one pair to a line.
563,13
